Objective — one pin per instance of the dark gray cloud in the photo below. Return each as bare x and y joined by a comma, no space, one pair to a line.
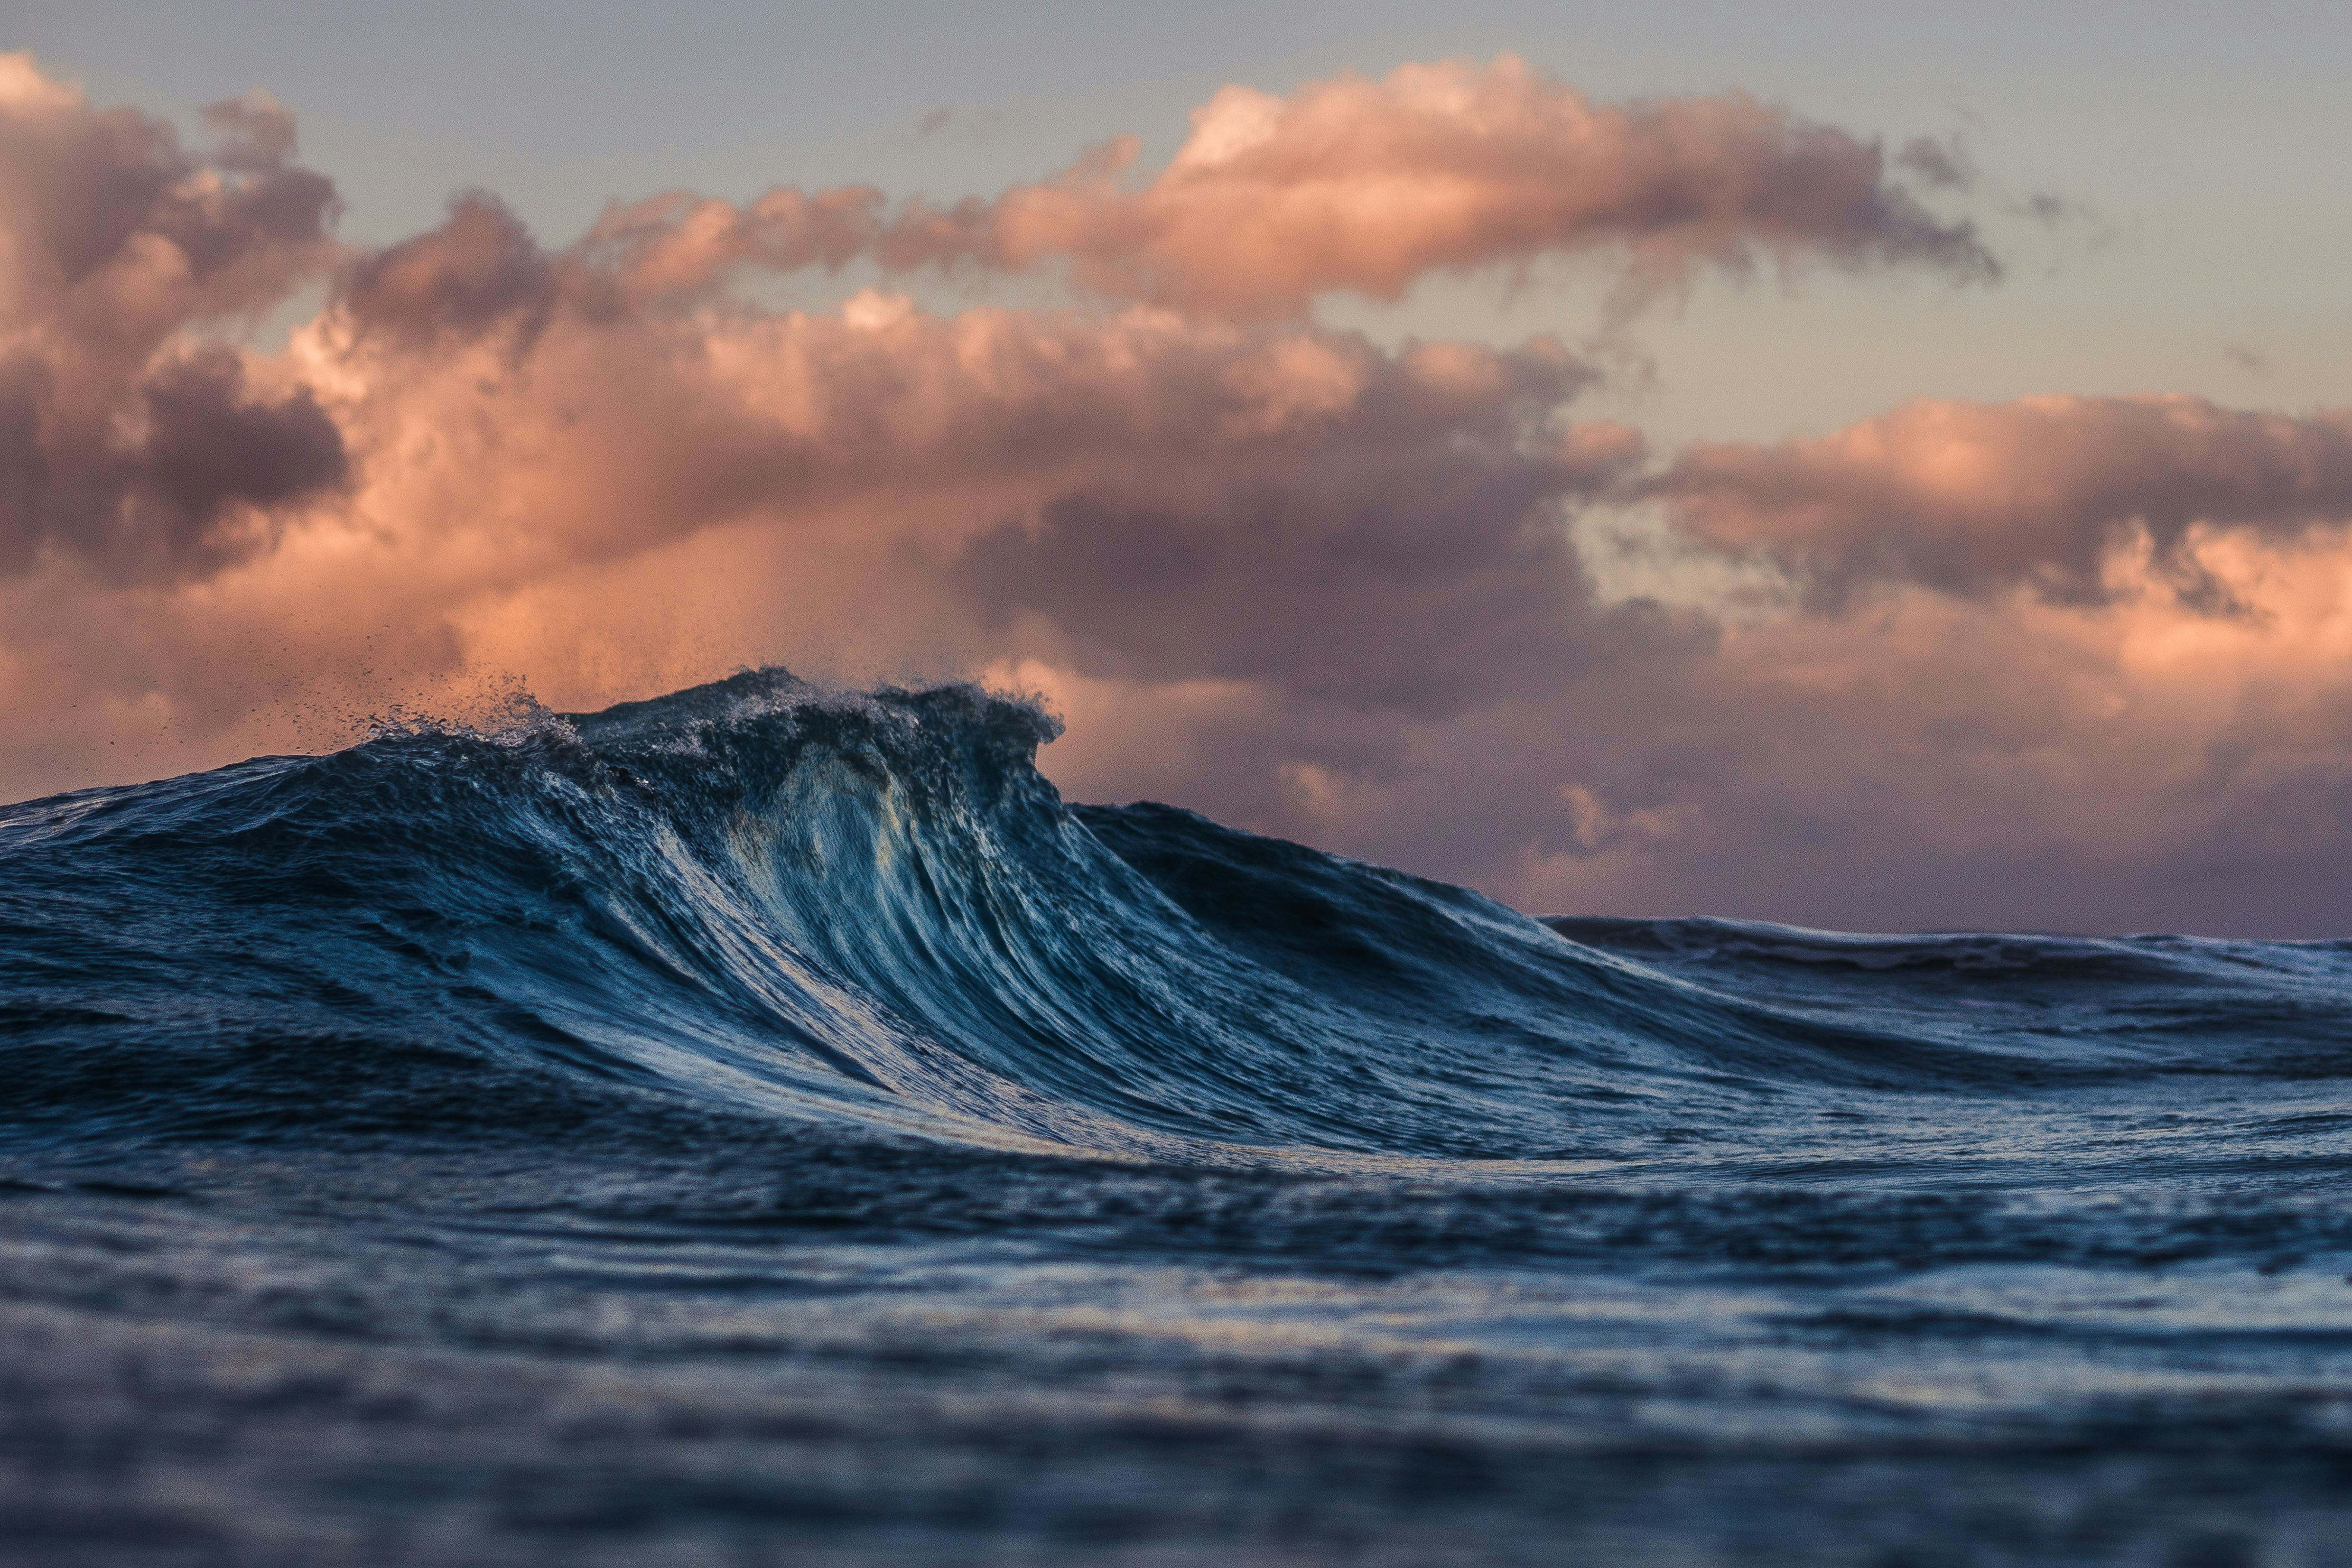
1417,579
210,447
254,134
1941,163
182,486
479,270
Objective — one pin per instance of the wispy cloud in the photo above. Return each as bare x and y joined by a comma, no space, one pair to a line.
2250,359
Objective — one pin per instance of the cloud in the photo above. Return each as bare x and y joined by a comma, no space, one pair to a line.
1974,498
254,134
526,399
1304,581
679,242
207,453
480,270
969,126
1424,573
2050,210
1362,185
1935,762
1941,163
1365,186
485,448
119,236
128,444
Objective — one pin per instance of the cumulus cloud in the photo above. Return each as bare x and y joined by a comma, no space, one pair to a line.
1366,186
2042,492
625,425
515,433
480,270
124,442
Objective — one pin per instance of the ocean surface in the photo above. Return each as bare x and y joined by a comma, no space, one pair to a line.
768,1125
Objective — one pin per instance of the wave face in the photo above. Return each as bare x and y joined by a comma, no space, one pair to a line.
766,1120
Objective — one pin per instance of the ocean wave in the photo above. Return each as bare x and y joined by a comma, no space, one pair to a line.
870,911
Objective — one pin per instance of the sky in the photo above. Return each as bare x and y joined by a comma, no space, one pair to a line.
1864,466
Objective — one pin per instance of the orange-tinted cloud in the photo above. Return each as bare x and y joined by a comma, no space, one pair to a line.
494,391
1366,186
528,437
1976,498
122,441
480,270
679,242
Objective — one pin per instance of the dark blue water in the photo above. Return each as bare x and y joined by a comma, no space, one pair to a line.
762,1125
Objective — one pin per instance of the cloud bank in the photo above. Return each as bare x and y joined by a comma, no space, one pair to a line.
2042,493
2061,662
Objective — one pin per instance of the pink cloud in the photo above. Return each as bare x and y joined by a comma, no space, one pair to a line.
1365,186
2042,492
682,243
123,440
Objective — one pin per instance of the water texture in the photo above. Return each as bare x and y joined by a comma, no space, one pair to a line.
768,1125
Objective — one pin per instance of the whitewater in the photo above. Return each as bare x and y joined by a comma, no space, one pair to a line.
767,1124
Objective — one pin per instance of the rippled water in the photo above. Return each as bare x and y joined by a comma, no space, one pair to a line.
766,1126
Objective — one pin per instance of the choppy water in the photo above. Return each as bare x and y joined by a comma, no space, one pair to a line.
759,1126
